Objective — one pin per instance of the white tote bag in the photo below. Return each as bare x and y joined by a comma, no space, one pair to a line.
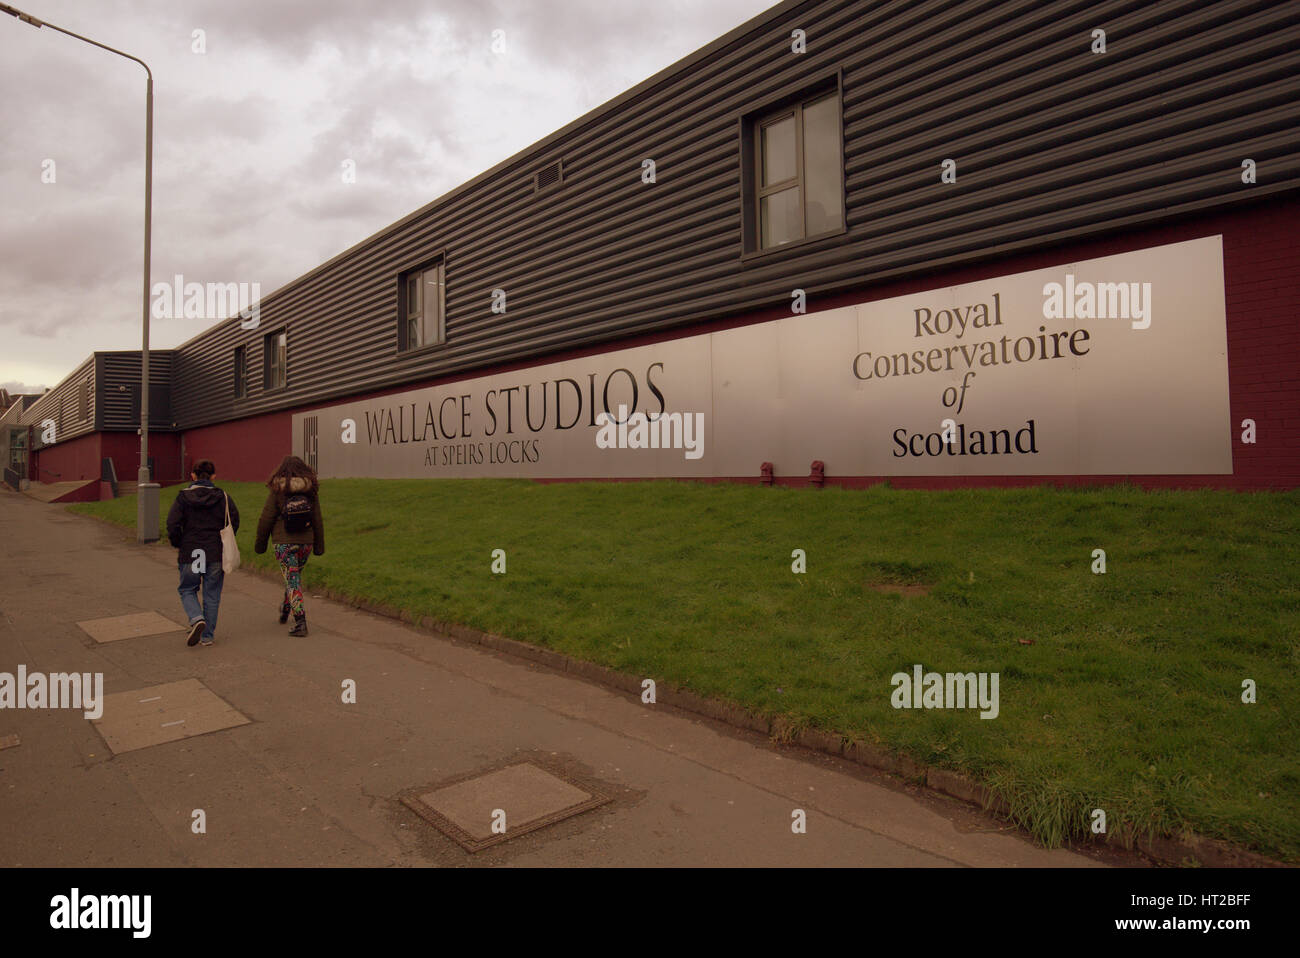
229,547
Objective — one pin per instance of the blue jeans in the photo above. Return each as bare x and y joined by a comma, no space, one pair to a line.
189,589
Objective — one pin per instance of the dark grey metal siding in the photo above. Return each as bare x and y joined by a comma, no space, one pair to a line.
64,405
119,390
1051,141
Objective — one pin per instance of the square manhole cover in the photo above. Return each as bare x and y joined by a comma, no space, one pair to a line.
128,626
163,713
485,809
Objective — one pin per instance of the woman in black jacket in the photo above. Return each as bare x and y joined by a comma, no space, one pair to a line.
292,517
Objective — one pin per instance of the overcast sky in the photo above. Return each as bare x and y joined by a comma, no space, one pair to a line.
250,137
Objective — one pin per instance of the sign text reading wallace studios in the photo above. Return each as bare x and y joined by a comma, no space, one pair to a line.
513,415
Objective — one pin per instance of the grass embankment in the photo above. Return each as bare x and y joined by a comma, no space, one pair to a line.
1129,698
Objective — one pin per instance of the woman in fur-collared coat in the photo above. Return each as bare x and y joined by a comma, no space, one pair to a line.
292,517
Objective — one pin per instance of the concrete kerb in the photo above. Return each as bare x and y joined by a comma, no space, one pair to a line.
1190,849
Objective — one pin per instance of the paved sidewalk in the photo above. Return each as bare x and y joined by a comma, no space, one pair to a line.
313,781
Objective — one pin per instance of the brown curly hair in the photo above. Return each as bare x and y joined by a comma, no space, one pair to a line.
292,468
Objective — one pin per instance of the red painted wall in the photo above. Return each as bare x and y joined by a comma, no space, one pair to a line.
243,450
124,449
1261,250
82,459
67,461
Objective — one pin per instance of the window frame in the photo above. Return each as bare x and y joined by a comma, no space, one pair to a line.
789,101
405,319
240,371
761,192
269,360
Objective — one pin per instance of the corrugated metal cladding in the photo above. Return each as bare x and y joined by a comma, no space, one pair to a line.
103,393
119,392
1052,142
70,404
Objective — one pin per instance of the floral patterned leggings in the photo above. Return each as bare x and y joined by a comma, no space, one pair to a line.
292,558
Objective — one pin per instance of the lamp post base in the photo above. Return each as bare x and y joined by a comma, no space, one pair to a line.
146,515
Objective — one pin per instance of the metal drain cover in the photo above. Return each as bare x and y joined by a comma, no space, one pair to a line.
487,809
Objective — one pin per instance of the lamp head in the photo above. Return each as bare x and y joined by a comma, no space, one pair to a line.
25,17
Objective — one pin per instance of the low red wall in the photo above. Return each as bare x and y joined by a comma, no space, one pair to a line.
67,461
243,450
87,493
124,449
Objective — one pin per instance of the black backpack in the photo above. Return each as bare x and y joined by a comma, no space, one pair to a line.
297,514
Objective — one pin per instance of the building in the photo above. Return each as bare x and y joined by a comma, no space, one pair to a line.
939,243
14,435
87,428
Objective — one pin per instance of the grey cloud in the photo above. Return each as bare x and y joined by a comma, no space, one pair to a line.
208,118
56,249
293,28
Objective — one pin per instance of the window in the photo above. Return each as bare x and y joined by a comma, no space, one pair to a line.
18,451
794,170
84,412
422,319
275,360
241,372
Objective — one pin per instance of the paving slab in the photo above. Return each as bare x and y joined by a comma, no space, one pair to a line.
163,713
130,626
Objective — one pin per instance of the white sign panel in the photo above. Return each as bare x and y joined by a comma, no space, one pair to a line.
1112,366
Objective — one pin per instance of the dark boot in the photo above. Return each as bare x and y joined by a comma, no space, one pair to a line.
284,612
299,625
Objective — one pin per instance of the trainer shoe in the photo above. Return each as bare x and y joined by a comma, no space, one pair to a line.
196,631
206,641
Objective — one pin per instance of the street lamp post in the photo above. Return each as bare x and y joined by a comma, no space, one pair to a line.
146,518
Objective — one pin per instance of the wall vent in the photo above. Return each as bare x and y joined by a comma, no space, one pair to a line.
548,176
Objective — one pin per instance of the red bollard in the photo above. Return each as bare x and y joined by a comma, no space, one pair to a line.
765,474
817,477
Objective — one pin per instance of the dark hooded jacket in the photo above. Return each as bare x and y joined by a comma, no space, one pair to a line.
196,519
271,523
